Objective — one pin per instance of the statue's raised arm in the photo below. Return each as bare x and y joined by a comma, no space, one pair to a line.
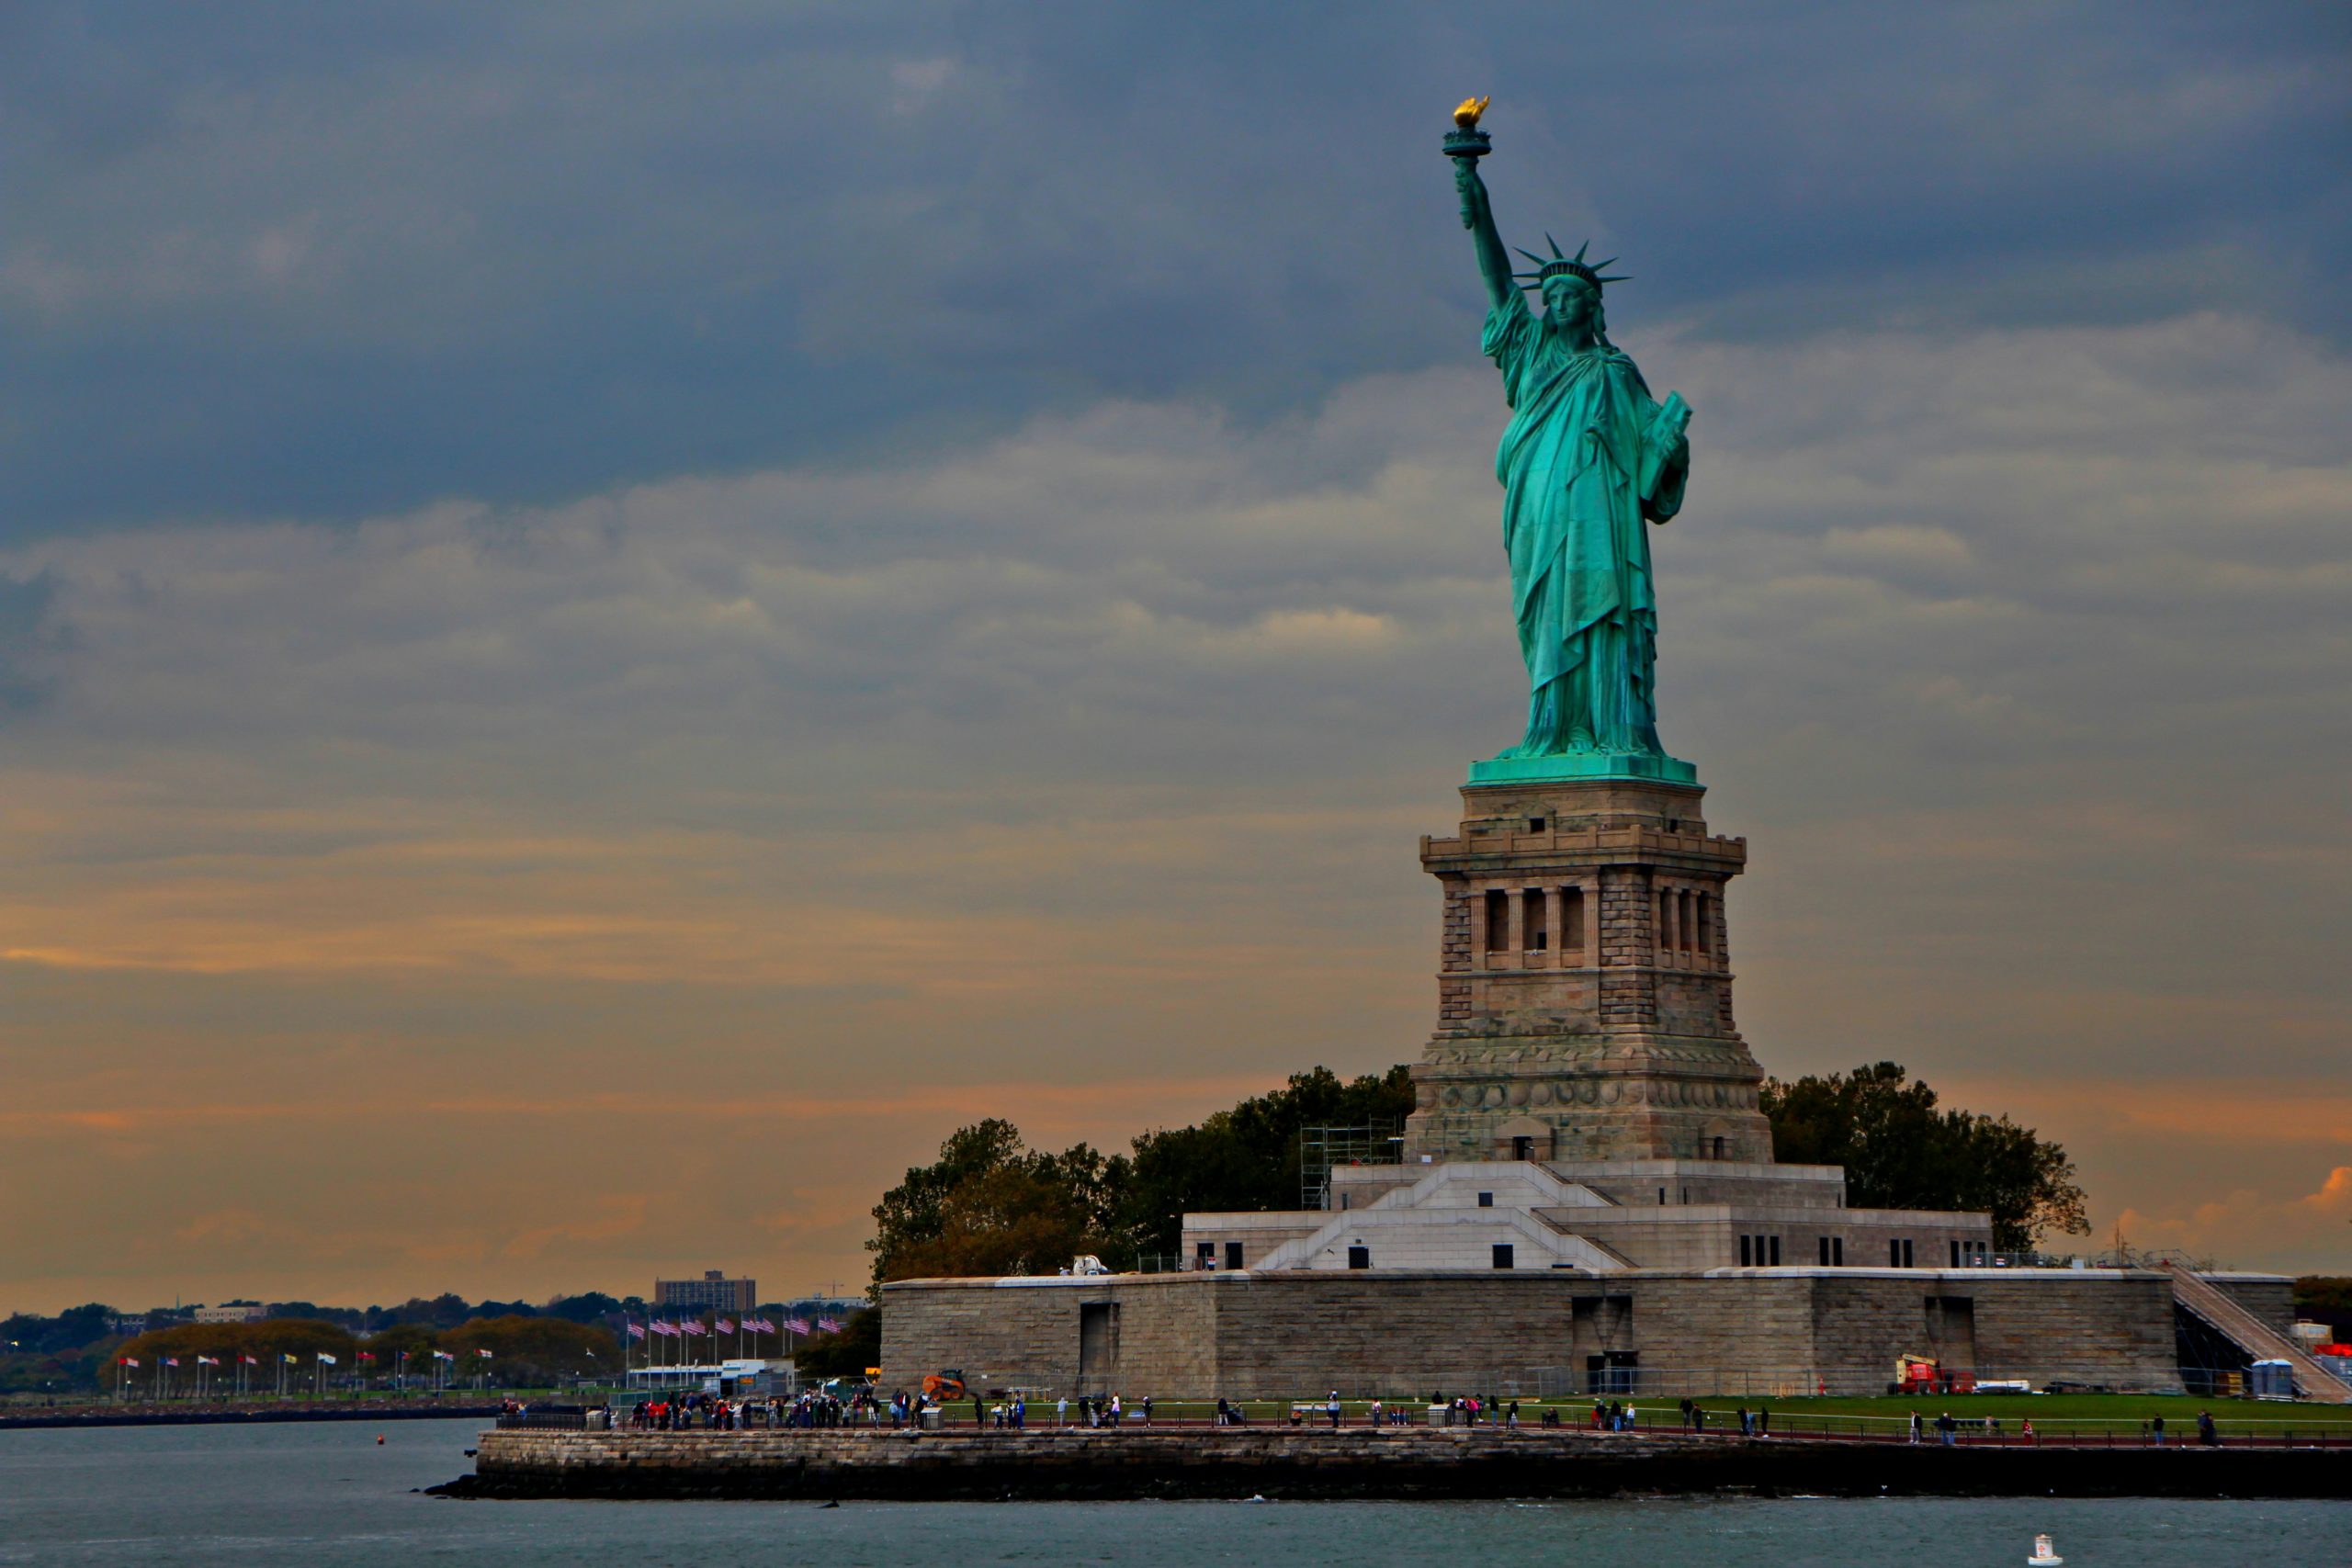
1466,146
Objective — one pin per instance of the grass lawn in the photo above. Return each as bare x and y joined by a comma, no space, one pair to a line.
2051,1414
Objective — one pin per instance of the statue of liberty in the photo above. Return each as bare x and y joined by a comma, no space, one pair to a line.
1589,458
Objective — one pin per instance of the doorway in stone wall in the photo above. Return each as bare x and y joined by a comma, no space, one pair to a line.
1951,1332
1098,1340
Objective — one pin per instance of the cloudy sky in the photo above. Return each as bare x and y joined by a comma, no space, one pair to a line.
612,617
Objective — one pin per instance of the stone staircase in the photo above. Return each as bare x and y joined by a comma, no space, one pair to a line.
2252,1335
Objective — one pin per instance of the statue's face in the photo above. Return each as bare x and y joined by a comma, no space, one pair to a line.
1569,300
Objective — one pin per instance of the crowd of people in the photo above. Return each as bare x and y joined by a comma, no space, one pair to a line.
824,1407
716,1413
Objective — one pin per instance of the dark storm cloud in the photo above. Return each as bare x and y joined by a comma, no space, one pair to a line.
893,566
329,261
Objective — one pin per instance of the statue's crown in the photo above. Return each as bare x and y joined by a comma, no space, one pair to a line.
1573,266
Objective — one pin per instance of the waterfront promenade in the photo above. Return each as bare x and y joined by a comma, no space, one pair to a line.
524,1461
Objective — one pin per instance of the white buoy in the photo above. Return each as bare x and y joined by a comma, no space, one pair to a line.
2045,1554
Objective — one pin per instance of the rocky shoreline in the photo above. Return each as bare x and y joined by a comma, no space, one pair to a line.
1292,1463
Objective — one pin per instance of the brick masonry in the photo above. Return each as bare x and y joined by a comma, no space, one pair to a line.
1612,1036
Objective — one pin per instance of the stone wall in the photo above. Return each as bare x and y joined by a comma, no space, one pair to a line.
1026,1333
1611,1034
2270,1297
1308,1462
1287,1334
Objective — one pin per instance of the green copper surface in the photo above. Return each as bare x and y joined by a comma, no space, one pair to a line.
1584,765
1589,460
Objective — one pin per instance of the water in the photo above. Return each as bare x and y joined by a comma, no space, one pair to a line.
326,1497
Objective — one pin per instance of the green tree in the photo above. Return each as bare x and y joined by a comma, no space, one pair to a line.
1247,1159
847,1354
992,1205
2325,1298
1902,1151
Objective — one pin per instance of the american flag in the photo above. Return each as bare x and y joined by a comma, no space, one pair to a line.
726,1326
636,1331
669,1330
829,1326
761,1325
171,1361
797,1325
693,1327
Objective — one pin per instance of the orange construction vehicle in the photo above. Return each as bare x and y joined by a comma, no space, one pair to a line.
944,1387
1925,1374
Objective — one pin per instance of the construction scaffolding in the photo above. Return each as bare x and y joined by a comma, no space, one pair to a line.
1321,1148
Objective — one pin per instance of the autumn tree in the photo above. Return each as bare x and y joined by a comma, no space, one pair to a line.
533,1350
1900,1150
990,1205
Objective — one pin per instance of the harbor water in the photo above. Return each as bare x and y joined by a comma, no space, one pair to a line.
327,1495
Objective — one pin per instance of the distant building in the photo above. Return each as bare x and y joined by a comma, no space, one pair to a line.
233,1312
713,1291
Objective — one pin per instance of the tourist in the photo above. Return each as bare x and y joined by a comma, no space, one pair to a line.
1146,1408
2158,1427
2025,1428
1117,1413
2206,1434
1514,1415
1916,1426
1333,1405
1746,1423
1945,1428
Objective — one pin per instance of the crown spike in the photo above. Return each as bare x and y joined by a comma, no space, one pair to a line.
1581,249
1553,243
1530,255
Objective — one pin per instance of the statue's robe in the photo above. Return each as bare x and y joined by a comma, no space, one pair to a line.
1584,429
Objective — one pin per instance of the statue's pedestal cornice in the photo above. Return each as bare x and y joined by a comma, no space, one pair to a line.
1584,765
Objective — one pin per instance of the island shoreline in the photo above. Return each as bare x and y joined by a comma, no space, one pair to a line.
1404,1464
